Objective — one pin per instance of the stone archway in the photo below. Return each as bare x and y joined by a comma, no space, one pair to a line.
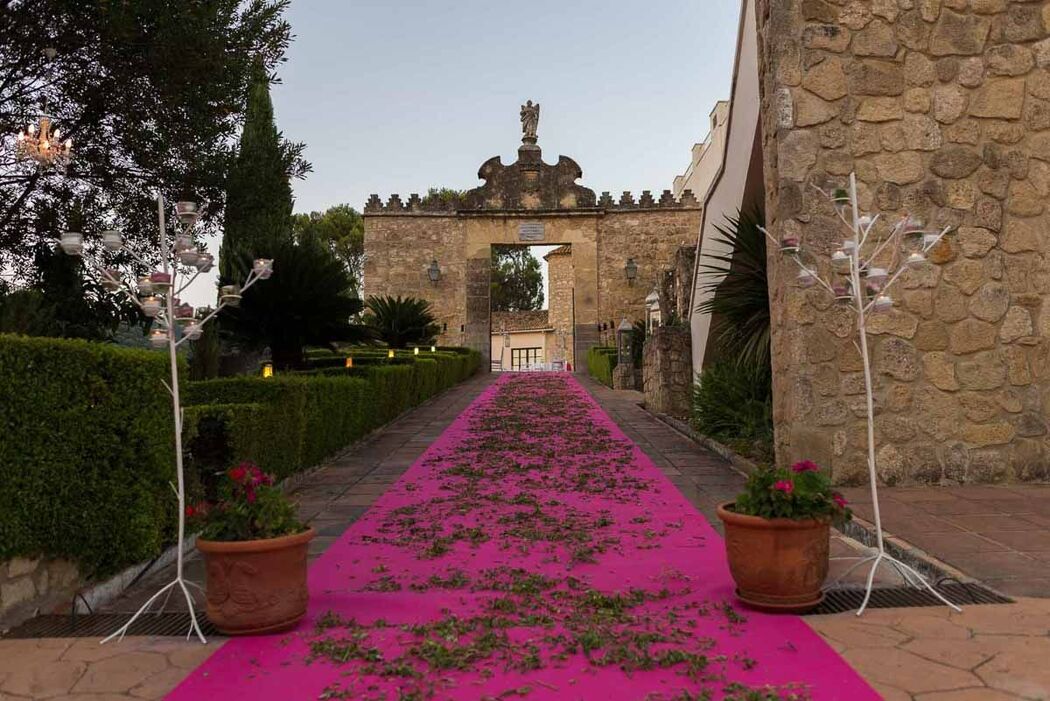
528,202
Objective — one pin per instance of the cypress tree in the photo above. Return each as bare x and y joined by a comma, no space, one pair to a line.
258,192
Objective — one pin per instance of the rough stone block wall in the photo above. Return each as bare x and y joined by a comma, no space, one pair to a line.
667,371
560,279
652,238
401,247
27,584
942,107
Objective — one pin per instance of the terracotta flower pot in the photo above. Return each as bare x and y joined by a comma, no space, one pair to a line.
778,564
256,586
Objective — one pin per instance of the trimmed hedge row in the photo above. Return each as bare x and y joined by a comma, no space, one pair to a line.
86,438
292,421
85,452
600,364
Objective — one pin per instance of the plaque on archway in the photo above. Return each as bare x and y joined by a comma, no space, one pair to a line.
530,231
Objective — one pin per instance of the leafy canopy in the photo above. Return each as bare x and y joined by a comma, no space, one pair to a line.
309,301
738,291
342,229
517,282
401,321
151,92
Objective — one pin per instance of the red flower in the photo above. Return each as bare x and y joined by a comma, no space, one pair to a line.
190,511
786,486
237,474
805,466
839,500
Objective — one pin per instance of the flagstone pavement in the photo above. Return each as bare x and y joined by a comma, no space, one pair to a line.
986,653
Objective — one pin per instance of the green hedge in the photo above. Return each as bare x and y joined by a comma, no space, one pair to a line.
600,364
85,452
294,420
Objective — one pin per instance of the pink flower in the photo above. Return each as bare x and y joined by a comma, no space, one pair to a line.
786,486
805,466
839,500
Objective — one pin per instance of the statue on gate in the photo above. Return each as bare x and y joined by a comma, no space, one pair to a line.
530,121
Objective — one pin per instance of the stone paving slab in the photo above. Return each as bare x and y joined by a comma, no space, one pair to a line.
999,535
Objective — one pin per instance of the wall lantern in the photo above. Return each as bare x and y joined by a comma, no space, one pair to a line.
349,362
624,337
415,351
267,370
390,353
433,349
631,270
434,271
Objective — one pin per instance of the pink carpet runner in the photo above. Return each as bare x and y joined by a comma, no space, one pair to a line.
532,552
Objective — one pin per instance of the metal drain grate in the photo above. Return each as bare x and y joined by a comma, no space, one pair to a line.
99,625
961,593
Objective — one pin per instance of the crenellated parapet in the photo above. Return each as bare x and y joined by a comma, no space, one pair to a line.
647,201
449,204
430,204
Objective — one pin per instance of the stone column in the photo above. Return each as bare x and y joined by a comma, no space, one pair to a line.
943,110
477,331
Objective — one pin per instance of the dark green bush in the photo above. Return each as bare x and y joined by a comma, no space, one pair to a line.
732,403
600,364
86,452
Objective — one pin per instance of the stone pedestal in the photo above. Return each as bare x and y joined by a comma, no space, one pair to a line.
667,371
624,376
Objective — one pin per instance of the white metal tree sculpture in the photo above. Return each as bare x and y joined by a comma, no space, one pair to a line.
863,270
156,295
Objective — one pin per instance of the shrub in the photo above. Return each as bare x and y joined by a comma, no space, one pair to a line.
732,403
600,364
85,452
801,492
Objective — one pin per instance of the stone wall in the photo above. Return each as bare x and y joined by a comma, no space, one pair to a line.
652,238
942,107
399,251
667,371
29,584
559,300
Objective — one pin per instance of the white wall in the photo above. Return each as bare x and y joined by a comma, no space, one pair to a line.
706,156
523,339
727,194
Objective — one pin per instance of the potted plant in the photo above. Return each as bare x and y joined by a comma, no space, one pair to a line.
777,536
254,549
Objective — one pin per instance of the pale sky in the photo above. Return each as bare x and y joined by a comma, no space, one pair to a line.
407,95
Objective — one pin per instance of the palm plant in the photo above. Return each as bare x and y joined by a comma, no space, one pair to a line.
737,291
309,301
400,321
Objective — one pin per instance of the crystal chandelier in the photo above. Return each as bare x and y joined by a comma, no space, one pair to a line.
43,145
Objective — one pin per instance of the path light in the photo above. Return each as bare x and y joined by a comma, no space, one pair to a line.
433,349
161,281
624,336
630,269
390,354
840,261
263,267
151,306
187,213
193,330
158,338
876,279
916,259
415,351
349,362
805,279
434,271
230,295
72,243
267,370
205,261
112,240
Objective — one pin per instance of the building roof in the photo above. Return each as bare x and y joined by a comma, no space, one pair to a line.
520,321
563,250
